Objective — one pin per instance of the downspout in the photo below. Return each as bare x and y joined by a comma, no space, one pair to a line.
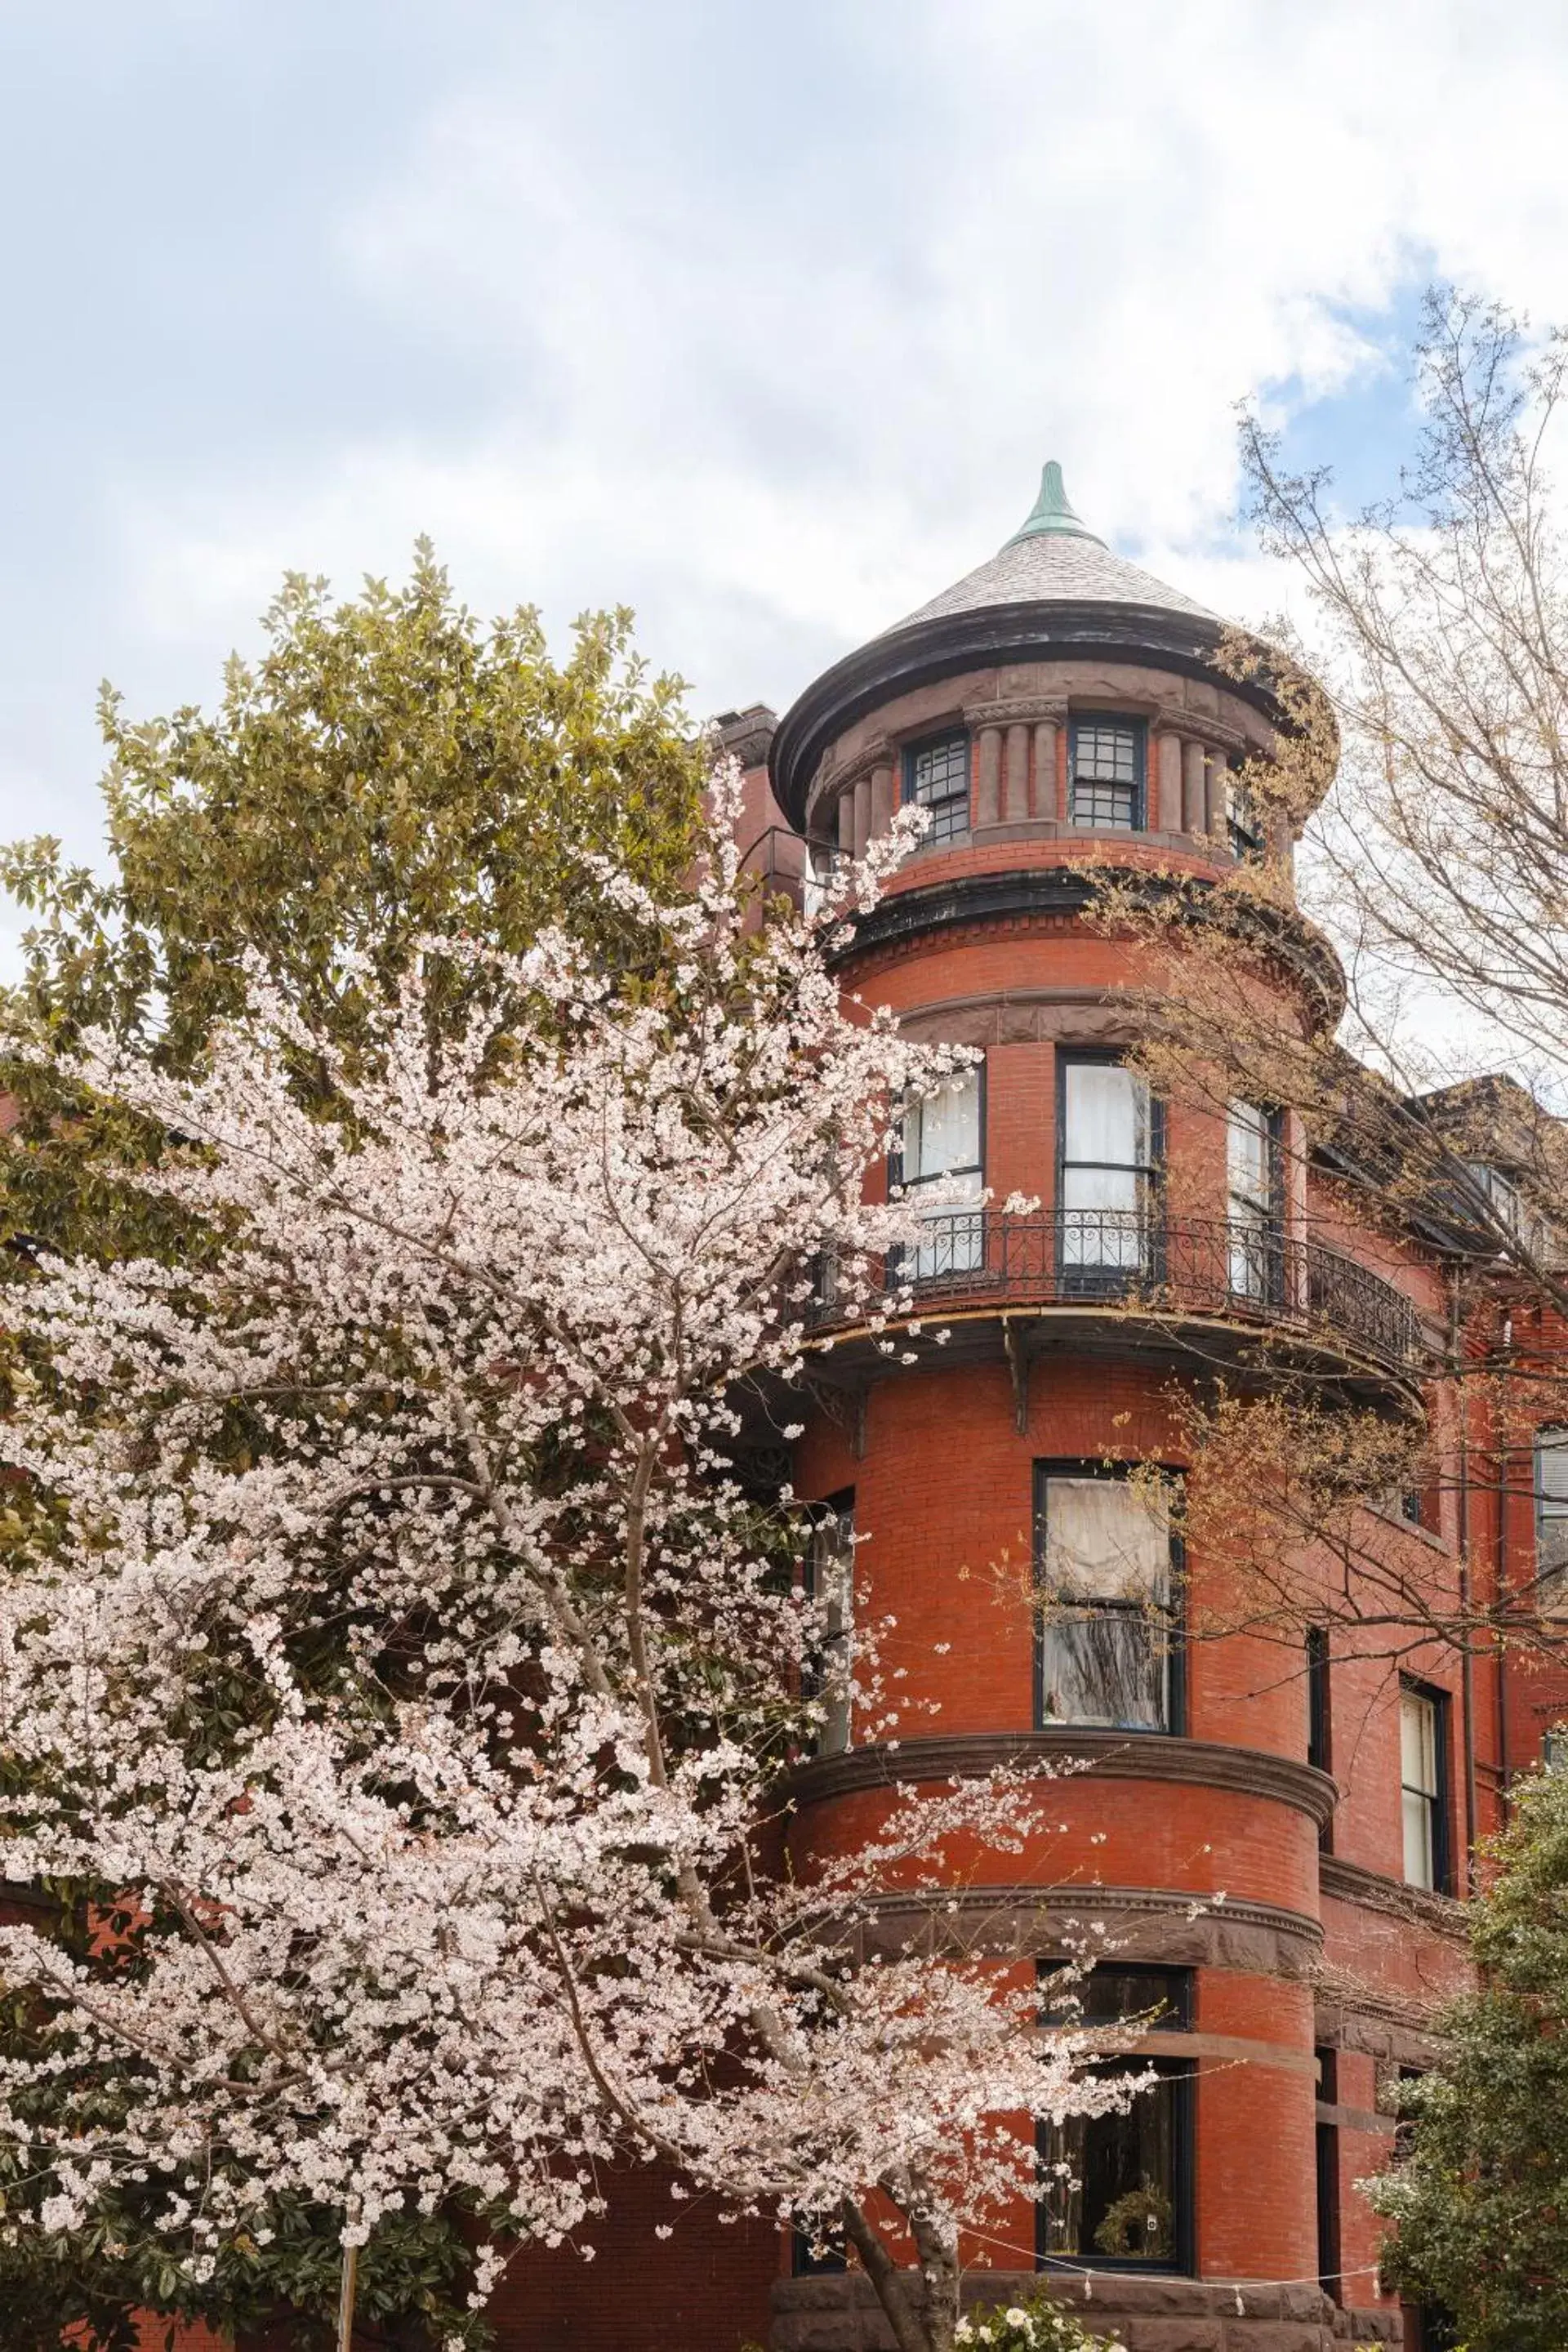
1466,1652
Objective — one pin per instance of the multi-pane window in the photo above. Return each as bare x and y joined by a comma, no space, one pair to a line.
1243,821
1422,1765
1108,1150
1252,1201
1118,2188
936,775
941,1146
829,1568
1106,785
1106,1630
1552,1522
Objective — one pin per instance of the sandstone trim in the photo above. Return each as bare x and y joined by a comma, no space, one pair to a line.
1152,1923
1115,1756
1351,1882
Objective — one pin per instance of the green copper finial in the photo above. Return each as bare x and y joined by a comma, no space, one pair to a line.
1052,512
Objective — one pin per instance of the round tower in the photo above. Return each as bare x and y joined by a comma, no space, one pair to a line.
1055,711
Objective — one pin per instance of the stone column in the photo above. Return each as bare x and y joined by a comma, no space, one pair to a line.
1193,809
881,801
1016,806
846,824
1165,816
862,816
1046,768
988,789
1217,768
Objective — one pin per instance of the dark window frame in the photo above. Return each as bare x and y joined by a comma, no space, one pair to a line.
1175,1726
1441,1802
1178,2016
1245,833
1547,1575
1321,1715
1088,1279
1326,2173
829,1510
942,828
1256,1240
1137,786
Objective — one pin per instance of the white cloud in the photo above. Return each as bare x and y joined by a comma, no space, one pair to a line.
776,390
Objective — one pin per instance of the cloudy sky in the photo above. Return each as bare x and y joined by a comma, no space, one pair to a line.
761,319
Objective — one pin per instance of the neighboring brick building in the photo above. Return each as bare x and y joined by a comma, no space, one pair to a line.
1059,696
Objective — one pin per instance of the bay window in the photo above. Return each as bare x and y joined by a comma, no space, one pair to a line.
941,1145
1105,1644
1107,1146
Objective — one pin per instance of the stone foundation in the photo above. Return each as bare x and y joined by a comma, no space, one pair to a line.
1149,2314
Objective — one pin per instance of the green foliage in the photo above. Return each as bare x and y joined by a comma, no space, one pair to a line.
1040,2324
389,771
1481,2198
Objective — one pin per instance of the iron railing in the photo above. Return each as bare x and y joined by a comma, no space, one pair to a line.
1214,1266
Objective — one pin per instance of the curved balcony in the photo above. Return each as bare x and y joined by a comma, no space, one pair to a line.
1152,1270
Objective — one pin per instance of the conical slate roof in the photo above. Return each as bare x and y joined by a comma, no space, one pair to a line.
1054,592
1053,559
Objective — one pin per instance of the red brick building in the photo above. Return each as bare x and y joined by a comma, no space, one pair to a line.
1279,1850
1058,696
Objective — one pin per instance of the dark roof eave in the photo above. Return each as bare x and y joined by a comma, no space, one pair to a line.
905,657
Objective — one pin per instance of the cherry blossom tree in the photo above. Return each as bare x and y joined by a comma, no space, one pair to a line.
398,1669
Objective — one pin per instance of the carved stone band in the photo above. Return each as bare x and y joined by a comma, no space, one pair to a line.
1148,1925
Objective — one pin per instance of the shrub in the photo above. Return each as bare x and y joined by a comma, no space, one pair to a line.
1038,2326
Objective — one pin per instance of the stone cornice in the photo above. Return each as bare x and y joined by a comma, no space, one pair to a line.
1373,1890
1022,710
1156,1923
1113,1755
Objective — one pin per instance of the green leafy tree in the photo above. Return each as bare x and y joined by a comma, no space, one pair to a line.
389,770
1480,2197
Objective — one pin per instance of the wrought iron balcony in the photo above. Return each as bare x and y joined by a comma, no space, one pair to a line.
1159,1266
